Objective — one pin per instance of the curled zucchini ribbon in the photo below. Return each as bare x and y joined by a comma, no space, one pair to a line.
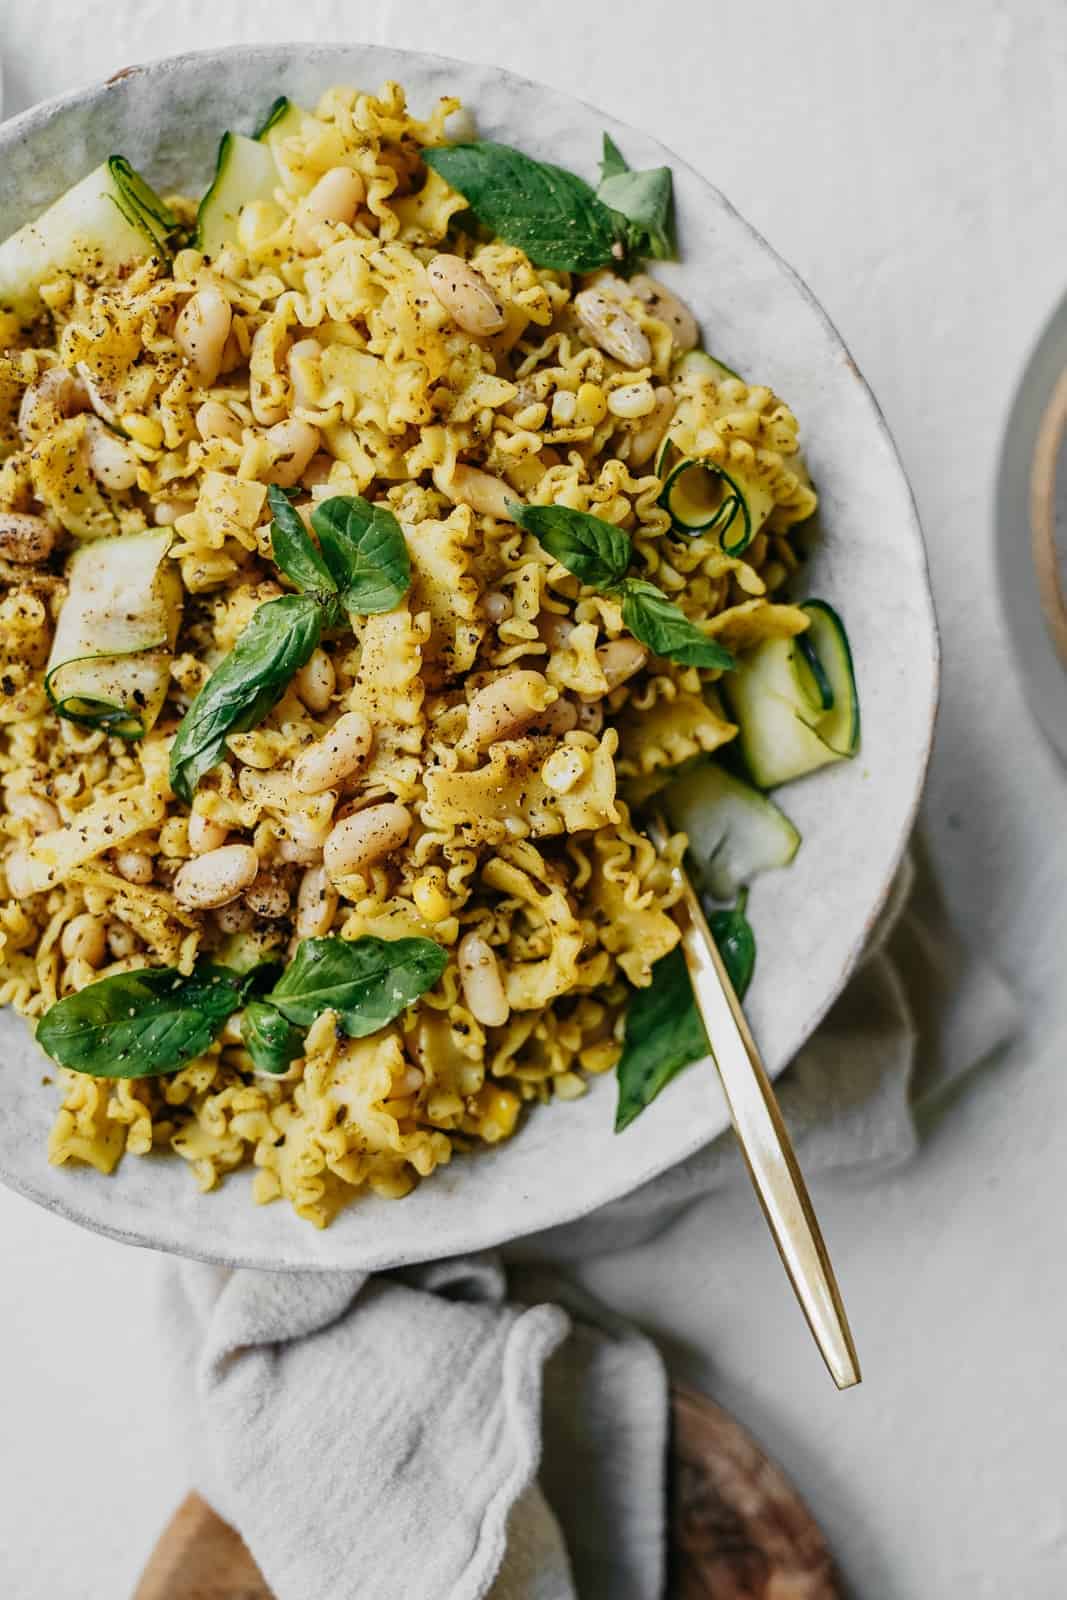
703,498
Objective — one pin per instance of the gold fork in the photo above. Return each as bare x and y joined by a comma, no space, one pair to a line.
763,1137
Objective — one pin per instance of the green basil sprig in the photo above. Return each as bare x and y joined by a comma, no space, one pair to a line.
141,1024
732,932
245,685
361,566
599,554
664,1033
551,214
642,201
272,1042
367,981
148,1023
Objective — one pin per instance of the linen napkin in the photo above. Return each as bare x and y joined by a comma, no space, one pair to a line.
477,1427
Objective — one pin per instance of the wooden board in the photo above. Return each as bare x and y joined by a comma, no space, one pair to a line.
738,1530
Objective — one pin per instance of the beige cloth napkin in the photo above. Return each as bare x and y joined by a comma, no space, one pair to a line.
477,1428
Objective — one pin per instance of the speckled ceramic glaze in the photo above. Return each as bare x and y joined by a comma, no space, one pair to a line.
811,920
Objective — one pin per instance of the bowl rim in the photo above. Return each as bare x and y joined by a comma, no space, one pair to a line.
552,1215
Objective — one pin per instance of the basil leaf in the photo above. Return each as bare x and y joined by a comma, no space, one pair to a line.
664,1033
549,213
272,1042
141,1024
594,550
367,981
642,200
294,550
733,934
363,546
244,686
666,629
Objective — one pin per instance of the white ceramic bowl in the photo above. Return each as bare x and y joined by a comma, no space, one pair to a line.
811,920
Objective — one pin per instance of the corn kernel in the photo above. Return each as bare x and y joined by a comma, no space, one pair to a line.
532,416
428,893
569,1086
564,768
498,1112
632,400
601,1057
590,405
144,430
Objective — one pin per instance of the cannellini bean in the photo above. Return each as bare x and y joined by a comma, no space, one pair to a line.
25,539
469,486
340,752
632,400
564,407
316,681
84,939
233,918
40,813
590,714
483,987
205,835
498,606
316,904
267,897
666,307
302,355
465,295
134,865
57,393
19,876
560,717
646,440
216,421
292,445
555,628
335,198
121,940
201,332
360,840
165,513
612,328
508,705
620,659
216,878
111,461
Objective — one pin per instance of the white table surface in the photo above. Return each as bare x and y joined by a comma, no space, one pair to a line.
908,160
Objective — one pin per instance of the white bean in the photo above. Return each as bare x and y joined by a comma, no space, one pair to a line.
40,813
165,513
483,987
304,354
335,198
233,918
316,681
465,295
469,486
666,307
111,461
134,865
292,445
121,940
216,878
497,606
560,718
620,659
267,897
340,752
216,421
646,440
25,539
508,705
204,834
360,840
612,328
201,332
84,939
56,394
19,877
316,904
